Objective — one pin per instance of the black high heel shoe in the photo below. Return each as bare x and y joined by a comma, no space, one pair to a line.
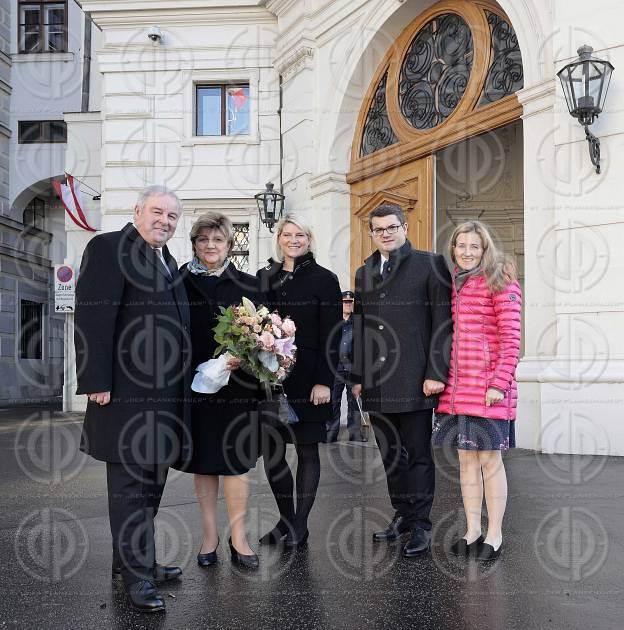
210,558
292,542
486,552
462,548
250,561
275,535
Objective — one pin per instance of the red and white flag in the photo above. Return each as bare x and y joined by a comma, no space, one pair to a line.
71,198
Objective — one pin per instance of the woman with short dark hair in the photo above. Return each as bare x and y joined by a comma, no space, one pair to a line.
222,426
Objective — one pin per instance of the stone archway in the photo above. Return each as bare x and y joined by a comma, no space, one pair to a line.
451,75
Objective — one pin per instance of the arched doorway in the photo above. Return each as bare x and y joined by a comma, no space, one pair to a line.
451,75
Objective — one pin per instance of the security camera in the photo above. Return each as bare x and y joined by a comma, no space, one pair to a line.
155,34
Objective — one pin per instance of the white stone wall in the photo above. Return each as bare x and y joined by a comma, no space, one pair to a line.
148,113
575,301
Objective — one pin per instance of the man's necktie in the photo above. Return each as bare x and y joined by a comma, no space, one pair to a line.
162,260
385,271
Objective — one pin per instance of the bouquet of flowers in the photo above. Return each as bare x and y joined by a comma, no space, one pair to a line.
263,341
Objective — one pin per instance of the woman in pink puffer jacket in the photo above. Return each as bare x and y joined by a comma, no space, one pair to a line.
477,409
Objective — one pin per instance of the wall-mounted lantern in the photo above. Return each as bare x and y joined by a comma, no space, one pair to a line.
585,83
270,206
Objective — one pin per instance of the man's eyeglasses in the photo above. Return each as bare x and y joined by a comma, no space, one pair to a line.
391,229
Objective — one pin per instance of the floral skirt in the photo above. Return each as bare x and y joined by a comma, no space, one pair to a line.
473,433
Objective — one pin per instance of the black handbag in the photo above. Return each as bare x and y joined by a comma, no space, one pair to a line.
275,410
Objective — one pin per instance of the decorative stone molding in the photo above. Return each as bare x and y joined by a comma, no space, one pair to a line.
537,98
279,7
330,182
293,63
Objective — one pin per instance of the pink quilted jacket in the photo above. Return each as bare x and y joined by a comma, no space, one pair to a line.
485,350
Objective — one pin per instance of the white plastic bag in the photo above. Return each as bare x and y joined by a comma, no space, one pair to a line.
212,375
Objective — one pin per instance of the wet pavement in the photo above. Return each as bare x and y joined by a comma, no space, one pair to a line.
561,566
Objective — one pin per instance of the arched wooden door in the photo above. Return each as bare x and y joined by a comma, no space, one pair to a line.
451,74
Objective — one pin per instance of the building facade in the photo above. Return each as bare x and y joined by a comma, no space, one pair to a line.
450,108
43,77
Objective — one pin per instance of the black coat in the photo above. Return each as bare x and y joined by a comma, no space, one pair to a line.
222,428
311,296
402,329
132,339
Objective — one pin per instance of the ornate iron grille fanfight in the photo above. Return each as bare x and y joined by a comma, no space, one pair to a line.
434,75
435,71
240,251
505,75
378,132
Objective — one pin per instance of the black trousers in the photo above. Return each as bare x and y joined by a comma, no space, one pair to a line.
353,422
404,441
134,493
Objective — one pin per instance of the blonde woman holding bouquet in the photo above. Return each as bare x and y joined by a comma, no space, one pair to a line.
221,423
477,410
297,286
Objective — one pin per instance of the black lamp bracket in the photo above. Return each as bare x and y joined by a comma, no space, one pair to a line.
594,148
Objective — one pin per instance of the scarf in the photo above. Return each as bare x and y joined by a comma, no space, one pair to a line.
197,268
461,276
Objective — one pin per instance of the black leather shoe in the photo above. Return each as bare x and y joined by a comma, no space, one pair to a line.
161,573
166,574
462,548
143,597
295,542
419,543
275,535
397,526
208,559
486,552
250,561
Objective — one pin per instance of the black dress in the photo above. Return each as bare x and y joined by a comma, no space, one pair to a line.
310,295
224,427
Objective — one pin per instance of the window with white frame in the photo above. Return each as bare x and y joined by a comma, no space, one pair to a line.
222,109
42,26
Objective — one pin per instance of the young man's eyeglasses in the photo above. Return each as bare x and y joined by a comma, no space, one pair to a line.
391,229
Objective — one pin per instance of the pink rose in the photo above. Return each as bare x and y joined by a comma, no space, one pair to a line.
267,340
276,319
276,331
288,326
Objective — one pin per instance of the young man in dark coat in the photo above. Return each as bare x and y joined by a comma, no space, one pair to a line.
132,357
402,334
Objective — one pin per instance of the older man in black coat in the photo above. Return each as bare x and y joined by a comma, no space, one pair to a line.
133,357
402,335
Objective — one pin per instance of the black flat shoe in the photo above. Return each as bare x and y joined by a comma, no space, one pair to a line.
463,549
250,561
208,559
275,535
419,543
161,573
296,543
143,597
486,552
397,526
